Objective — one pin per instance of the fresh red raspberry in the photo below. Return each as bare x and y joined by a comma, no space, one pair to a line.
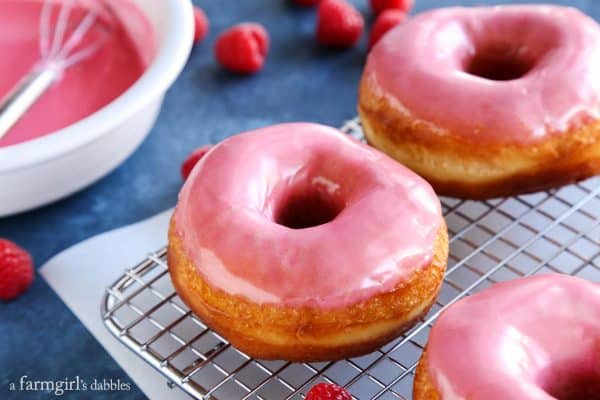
339,24
243,48
307,3
190,162
380,6
202,25
16,270
384,22
328,391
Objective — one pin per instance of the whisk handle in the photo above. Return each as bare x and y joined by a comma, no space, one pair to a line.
24,95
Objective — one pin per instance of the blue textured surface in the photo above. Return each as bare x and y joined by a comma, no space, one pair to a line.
39,336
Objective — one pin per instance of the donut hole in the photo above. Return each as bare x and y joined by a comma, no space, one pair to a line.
498,62
307,208
574,385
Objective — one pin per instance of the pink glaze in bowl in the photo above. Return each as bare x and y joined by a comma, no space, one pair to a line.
39,171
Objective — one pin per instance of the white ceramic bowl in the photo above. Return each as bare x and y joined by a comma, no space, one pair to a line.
46,169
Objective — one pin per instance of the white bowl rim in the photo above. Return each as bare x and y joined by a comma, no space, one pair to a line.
154,82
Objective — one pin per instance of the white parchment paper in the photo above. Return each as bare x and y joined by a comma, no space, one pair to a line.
80,274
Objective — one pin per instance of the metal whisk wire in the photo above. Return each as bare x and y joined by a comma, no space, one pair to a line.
58,52
53,47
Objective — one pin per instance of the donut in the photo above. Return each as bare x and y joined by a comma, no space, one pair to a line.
297,242
488,101
534,338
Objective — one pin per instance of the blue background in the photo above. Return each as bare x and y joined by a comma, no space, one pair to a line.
39,336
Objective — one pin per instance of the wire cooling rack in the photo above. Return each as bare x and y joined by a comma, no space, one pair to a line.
491,241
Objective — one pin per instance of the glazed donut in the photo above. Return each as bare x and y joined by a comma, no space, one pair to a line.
490,101
533,338
297,242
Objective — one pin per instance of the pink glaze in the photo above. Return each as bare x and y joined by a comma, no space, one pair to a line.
385,228
429,67
128,48
528,339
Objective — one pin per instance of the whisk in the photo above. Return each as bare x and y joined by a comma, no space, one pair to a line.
60,49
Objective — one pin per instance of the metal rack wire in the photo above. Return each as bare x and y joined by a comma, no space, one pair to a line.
491,241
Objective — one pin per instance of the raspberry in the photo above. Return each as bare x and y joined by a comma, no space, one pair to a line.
202,25
243,48
328,391
307,3
380,6
339,24
191,161
16,270
384,22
